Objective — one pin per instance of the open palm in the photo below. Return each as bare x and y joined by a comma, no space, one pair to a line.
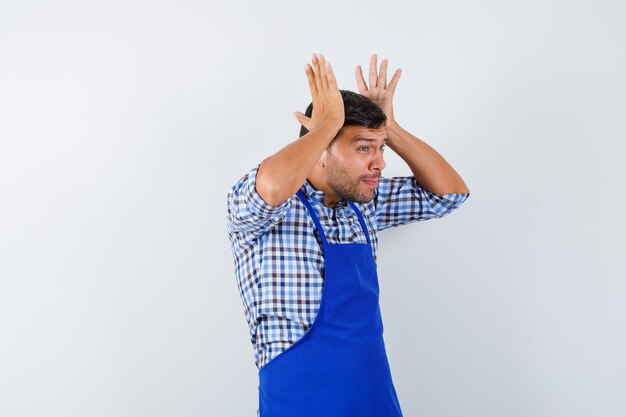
378,90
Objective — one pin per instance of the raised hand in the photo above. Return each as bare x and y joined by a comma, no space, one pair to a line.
282,174
327,101
378,90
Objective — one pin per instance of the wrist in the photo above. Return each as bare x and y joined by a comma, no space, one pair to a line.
328,128
395,135
392,126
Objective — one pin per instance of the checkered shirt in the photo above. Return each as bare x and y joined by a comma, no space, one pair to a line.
279,263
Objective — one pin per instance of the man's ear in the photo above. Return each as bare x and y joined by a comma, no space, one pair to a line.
322,161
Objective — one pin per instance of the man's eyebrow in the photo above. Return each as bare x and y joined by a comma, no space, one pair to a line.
358,139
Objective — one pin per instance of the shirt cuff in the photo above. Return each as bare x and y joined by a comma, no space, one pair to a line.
456,199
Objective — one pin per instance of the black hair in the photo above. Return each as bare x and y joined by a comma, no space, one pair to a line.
359,111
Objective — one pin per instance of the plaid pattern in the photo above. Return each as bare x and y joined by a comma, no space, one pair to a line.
278,256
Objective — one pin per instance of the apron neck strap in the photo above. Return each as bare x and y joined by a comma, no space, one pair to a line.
318,225
361,220
306,203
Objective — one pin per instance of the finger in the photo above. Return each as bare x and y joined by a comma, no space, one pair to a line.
316,72
330,75
323,70
382,76
311,78
394,81
373,75
303,120
360,81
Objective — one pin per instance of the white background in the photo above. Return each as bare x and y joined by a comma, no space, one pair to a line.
123,124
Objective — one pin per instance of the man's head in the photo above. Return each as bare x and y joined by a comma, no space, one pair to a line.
359,111
351,165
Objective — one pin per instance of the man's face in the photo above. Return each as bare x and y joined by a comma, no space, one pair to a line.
354,163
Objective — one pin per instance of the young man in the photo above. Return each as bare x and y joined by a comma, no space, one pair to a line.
303,228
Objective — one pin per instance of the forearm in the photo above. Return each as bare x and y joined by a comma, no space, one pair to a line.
281,175
430,169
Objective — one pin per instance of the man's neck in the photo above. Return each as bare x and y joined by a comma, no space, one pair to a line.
330,199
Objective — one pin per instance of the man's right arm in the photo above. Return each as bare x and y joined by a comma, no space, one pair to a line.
249,215
281,175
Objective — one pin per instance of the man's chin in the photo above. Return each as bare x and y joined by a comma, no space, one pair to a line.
365,197
360,193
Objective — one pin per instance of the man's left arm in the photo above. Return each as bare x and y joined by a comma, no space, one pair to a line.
430,169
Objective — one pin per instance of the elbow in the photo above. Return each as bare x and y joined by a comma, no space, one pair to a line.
270,193
269,187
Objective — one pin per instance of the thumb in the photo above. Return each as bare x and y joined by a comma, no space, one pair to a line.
304,120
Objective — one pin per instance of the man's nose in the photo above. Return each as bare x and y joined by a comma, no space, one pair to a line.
378,162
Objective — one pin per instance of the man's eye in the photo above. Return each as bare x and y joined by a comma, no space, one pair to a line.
363,148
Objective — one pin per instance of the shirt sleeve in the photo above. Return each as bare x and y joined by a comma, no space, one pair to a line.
401,200
247,211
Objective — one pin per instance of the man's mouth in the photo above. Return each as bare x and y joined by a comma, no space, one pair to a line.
371,182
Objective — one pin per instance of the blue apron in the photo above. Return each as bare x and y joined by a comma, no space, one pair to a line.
339,368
